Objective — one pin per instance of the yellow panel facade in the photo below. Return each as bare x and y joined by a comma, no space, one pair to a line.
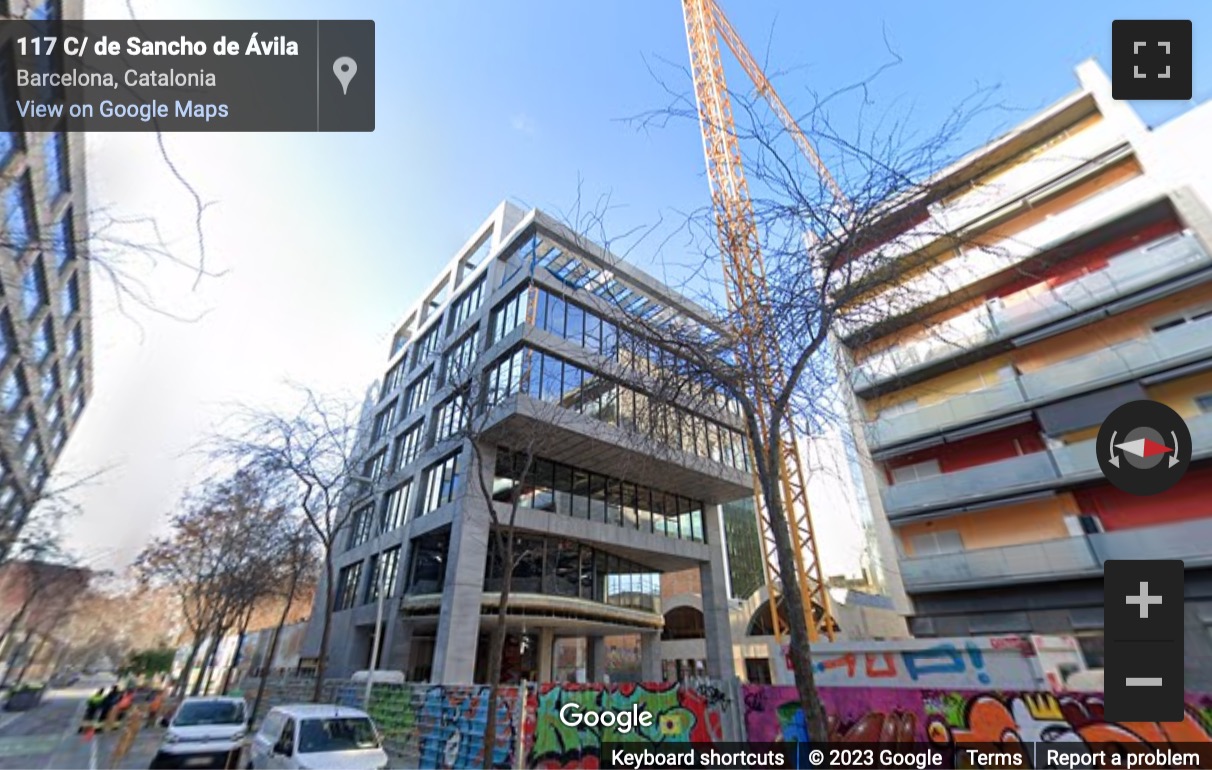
1029,522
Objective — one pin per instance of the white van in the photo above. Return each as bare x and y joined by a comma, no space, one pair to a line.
204,732
313,736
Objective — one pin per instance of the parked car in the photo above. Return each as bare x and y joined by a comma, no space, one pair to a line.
204,731
312,736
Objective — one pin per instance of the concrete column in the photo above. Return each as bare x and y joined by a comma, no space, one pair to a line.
650,656
714,582
596,666
546,653
397,646
454,656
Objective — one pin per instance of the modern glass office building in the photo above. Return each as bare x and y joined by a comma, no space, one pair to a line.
617,487
45,325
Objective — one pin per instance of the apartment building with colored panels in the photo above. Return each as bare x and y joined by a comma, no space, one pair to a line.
1083,280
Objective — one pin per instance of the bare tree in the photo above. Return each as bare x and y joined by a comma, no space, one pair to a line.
314,451
220,557
803,266
297,568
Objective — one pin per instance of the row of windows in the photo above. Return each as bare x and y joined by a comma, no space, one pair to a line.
546,565
393,514
456,364
558,488
543,566
349,578
439,485
550,378
19,224
541,252
465,306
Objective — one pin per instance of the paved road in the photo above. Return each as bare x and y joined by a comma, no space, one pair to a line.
46,736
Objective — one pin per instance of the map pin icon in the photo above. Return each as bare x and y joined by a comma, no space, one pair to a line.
345,68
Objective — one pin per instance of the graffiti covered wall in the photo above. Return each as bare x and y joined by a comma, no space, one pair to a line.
439,726
681,714
947,717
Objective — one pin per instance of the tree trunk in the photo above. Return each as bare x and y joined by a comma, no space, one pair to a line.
800,649
16,619
183,681
12,658
29,661
208,661
322,662
273,644
496,649
235,658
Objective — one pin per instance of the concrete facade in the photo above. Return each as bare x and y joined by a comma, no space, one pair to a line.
607,510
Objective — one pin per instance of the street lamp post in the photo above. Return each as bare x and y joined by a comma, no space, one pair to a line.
378,578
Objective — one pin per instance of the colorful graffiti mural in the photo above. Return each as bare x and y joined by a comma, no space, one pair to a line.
437,726
947,718
681,715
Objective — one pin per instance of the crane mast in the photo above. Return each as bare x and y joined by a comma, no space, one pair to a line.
745,282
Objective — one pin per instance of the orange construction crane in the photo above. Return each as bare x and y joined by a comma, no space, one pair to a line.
745,279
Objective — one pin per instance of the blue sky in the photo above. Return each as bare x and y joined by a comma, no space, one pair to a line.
329,238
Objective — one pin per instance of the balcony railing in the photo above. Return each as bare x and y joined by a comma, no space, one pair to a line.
1131,271
1039,470
1060,558
1186,540
1133,358
977,263
1008,564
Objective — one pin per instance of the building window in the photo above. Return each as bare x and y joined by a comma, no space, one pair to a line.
451,417
75,341
347,586
77,404
456,364
75,376
361,525
408,445
428,344
937,543
550,486
19,226
509,314
50,383
418,392
395,376
383,420
64,242
60,438
44,340
915,472
504,378
389,562
467,304
558,567
429,557
572,387
69,297
13,390
441,483
395,506
33,289
373,468
54,412
31,455
23,426
7,344
56,166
